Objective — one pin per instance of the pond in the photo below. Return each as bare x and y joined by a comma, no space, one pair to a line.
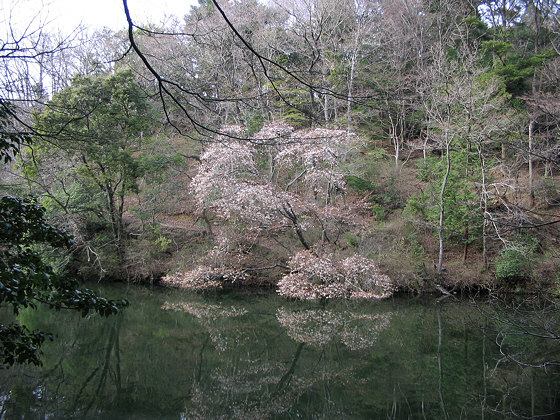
253,355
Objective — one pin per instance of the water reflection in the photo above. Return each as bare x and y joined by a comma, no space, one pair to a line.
318,327
209,317
238,355
246,389
204,311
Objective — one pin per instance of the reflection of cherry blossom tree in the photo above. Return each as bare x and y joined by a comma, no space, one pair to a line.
274,192
201,311
254,390
212,317
254,380
319,327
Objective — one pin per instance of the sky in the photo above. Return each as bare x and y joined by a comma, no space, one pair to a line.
68,14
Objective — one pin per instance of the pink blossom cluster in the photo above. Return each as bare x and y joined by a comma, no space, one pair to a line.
233,130
230,250
274,133
319,152
229,181
277,180
315,277
364,275
259,205
341,215
203,277
222,167
217,255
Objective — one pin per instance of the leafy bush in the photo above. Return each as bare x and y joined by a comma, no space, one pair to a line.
358,184
513,266
352,239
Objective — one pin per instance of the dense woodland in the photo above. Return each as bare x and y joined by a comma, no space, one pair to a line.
326,148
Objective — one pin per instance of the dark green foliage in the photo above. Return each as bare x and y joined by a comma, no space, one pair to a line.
462,219
383,198
358,184
11,140
99,145
512,267
25,279
352,239
22,223
18,345
514,68
254,121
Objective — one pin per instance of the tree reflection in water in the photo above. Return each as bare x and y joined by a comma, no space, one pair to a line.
245,386
318,327
255,355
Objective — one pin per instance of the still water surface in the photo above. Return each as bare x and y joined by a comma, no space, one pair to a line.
254,355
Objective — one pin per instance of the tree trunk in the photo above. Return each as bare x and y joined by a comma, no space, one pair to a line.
290,214
442,208
208,224
466,231
350,89
326,109
484,203
531,190
116,220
